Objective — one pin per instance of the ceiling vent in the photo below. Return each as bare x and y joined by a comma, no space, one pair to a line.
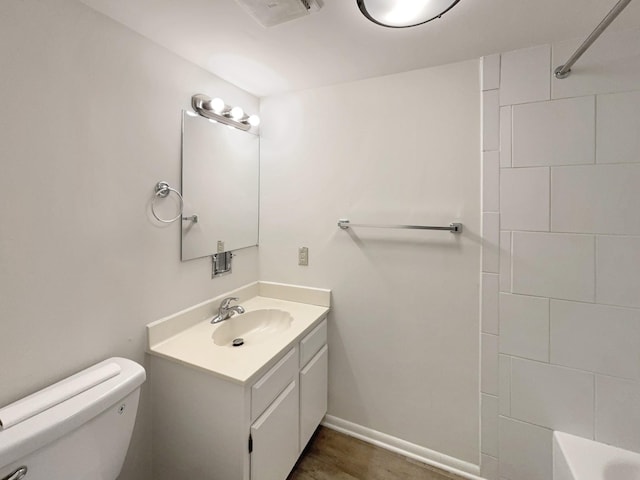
274,12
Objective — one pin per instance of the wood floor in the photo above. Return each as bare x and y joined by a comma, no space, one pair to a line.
334,456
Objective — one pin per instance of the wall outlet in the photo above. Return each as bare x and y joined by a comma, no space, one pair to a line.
303,256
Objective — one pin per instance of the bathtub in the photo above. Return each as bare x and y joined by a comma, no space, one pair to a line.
577,458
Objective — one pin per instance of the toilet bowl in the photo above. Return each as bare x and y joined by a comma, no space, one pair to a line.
76,429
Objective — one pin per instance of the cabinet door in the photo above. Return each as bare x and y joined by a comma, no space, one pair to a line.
313,395
276,437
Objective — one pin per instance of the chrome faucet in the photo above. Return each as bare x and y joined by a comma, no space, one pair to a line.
225,312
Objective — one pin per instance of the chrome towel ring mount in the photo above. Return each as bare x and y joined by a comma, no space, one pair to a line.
162,190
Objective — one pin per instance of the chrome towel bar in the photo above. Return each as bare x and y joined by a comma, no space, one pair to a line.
344,224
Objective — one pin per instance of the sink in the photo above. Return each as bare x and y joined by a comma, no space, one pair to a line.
256,326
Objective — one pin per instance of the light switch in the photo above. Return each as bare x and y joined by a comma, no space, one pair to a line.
303,256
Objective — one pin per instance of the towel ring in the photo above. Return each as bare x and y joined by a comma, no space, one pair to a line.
162,191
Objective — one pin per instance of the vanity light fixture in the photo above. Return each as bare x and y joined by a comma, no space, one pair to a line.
215,109
404,13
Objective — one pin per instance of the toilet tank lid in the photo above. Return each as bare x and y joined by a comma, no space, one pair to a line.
101,386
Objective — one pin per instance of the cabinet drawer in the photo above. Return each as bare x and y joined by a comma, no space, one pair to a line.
265,390
313,342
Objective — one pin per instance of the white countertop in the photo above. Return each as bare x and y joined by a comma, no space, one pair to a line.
194,345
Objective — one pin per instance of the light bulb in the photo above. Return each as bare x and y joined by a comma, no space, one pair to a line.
217,105
254,120
237,113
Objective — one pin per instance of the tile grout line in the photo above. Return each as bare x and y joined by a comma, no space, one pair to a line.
549,330
527,422
595,269
595,399
550,185
575,369
595,129
511,250
599,234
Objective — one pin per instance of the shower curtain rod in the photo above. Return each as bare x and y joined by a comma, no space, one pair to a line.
563,71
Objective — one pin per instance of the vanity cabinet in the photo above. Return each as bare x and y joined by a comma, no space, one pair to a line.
212,428
299,380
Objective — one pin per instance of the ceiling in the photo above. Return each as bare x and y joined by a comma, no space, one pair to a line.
338,44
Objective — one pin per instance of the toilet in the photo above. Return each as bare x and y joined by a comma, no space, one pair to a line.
76,429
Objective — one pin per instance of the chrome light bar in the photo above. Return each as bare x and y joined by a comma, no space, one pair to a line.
216,109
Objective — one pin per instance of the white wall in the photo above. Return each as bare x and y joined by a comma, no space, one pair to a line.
564,354
404,323
90,121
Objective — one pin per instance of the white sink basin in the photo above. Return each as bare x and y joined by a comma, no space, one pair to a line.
252,327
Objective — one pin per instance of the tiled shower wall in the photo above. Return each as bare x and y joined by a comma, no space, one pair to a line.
561,253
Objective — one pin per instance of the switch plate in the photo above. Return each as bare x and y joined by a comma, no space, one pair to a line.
303,256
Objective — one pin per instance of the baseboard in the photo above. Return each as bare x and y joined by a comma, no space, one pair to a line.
402,447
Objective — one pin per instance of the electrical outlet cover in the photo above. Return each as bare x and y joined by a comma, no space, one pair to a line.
303,256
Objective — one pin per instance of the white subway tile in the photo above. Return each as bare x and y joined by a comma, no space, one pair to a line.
554,265
490,303
596,199
489,425
489,364
618,128
551,396
524,196
504,384
490,120
560,132
491,242
618,412
618,270
524,326
505,136
596,338
491,72
612,64
491,181
488,467
525,75
505,262
525,450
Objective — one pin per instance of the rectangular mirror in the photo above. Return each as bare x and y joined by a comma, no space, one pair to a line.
220,180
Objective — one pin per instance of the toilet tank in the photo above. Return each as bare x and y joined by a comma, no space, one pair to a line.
76,429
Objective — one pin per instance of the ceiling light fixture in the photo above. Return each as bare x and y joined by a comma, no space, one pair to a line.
216,110
404,13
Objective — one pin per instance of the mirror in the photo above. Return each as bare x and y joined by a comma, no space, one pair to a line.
220,176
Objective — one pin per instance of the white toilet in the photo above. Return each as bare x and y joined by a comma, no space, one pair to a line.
76,429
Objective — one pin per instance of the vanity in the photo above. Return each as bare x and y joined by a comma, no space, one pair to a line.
224,412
